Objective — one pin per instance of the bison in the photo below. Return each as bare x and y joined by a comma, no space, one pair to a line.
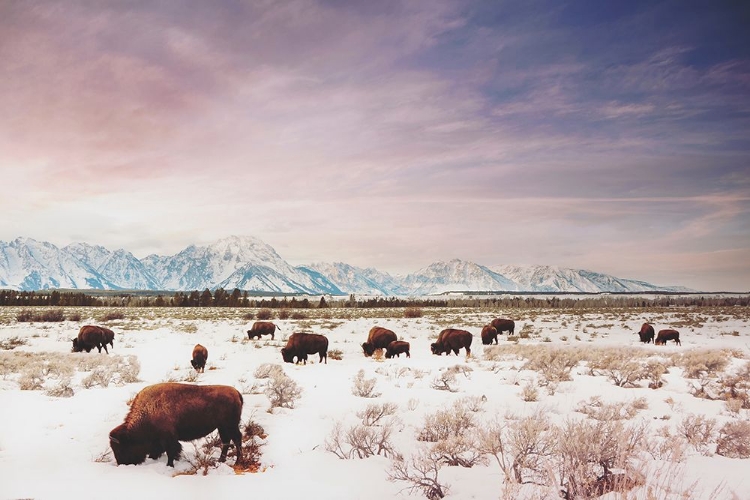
489,333
90,336
301,344
262,328
378,338
452,339
108,336
164,414
668,334
647,333
397,347
504,325
200,355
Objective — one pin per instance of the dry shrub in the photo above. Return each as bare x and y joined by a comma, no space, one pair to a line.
264,314
113,315
445,380
61,390
269,370
282,391
734,439
591,454
336,354
412,312
554,364
298,315
667,446
375,412
31,379
50,316
598,410
529,392
360,441
364,387
284,313
421,473
702,362
12,343
617,366
699,431
443,424
248,316
459,451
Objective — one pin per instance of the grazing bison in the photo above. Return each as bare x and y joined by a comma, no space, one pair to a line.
397,347
200,355
647,333
164,414
378,338
108,336
262,328
90,336
452,339
668,334
504,325
489,333
302,344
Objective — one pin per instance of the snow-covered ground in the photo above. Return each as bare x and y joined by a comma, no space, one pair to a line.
55,447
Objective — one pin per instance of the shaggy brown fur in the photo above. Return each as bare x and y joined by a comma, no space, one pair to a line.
504,325
668,334
378,338
647,333
200,355
90,336
164,414
452,339
301,344
108,336
396,348
489,333
262,328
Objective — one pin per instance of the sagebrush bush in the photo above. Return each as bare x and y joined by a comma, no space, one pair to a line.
699,431
445,423
282,391
364,387
699,361
376,412
268,370
413,312
420,471
336,354
12,343
734,439
264,314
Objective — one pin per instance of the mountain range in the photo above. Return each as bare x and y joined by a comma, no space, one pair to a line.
247,263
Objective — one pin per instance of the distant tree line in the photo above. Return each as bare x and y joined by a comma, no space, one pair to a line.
238,298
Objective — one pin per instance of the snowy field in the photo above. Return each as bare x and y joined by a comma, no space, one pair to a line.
570,377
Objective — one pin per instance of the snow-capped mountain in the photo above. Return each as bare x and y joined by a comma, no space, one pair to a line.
456,276
248,263
120,267
357,280
560,279
27,264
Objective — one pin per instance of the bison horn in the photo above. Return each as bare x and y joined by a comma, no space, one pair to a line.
114,439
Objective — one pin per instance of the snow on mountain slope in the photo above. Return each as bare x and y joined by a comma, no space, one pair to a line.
456,275
356,280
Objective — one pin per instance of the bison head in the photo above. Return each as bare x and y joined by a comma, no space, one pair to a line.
368,349
76,346
127,449
436,348
194,363
287,355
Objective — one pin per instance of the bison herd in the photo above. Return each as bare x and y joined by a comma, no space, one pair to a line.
164,414
646,335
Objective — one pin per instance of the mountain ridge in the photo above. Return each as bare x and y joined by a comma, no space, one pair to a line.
248,263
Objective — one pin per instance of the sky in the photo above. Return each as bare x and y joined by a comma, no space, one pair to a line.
609,136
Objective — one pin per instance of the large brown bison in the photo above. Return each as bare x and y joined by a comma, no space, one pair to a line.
489,333
647,333
200,355
262,328
378,338
452,339
90,336
164,414
108,336
668,334
301,344
397,347
504,325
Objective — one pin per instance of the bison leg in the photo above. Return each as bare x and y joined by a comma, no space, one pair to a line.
235,436
173,448
105,349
